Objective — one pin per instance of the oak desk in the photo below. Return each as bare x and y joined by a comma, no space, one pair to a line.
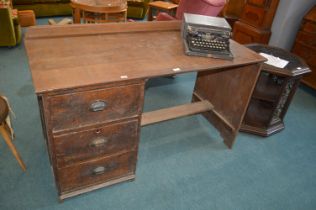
90,79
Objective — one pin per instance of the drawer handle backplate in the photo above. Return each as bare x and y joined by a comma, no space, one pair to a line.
98,142
98,105
103,169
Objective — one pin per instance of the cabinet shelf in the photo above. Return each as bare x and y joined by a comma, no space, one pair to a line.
267,89
259,113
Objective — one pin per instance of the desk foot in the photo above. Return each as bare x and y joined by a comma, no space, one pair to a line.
225,131
88,189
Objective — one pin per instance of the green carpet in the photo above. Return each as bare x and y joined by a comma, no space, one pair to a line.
182,164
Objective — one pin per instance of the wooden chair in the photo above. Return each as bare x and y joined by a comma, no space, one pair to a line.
6,131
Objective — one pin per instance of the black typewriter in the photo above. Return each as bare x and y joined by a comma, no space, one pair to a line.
210,39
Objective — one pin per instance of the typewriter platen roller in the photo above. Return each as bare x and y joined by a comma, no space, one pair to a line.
206,36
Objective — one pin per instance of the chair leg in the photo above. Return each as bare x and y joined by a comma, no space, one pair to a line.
7,139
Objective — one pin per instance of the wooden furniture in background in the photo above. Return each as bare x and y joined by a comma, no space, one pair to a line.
99,11
274,91
233,10
27,18
91,103
6,132
157,6
255,22
305,46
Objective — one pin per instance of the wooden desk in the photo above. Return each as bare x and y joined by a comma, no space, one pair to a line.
90,79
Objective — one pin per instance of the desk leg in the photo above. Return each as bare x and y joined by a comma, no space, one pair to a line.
150,14
76,15
229,91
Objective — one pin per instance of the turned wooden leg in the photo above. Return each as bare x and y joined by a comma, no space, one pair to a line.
150,14
7,139
76,15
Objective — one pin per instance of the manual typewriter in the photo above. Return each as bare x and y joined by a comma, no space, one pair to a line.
206,36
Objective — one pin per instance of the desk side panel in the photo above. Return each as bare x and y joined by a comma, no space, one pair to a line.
229,91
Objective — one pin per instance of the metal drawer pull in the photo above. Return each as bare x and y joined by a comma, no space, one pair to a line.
99,170
97,106
98,142
103,169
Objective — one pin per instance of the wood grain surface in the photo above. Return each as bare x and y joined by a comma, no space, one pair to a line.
63,57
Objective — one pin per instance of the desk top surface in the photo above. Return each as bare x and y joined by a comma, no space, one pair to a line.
62,57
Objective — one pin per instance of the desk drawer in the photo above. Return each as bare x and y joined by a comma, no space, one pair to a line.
305,51
91,107
97,171
79,146
308,38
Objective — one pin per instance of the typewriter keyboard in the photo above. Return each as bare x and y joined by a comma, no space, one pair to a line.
199,44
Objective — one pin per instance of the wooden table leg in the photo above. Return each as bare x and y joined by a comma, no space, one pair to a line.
76,15
150,14
8,140
230,92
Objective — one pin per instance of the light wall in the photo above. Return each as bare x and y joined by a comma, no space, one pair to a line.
287,21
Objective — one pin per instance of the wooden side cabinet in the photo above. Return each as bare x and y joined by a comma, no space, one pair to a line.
273,93
305,45
255,22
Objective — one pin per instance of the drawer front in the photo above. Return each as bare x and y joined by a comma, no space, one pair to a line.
96,172
79,109
107,140
253,15
306,52
308,38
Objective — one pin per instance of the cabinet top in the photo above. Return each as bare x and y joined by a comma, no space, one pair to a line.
72,56
296,66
